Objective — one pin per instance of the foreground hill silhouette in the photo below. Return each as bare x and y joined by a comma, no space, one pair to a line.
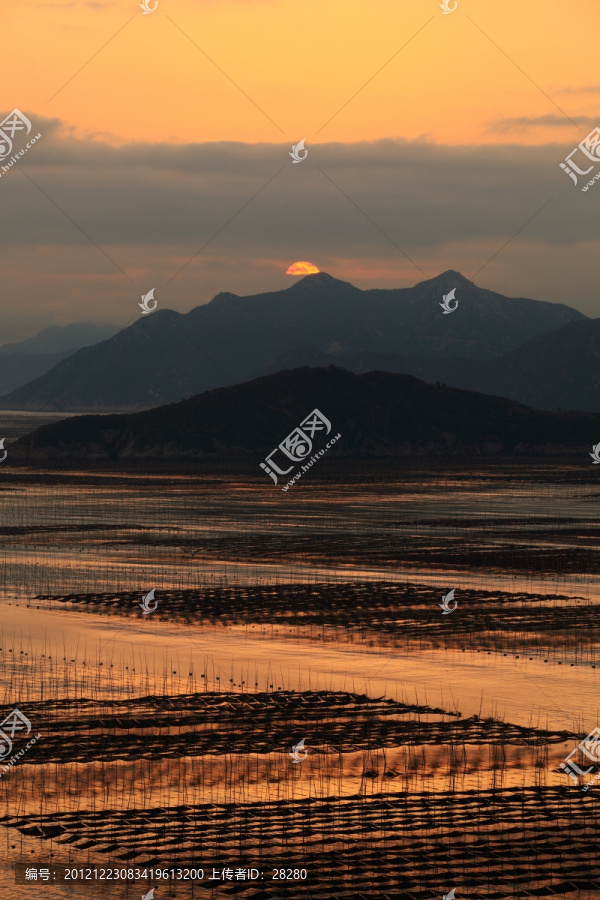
378,415
167,356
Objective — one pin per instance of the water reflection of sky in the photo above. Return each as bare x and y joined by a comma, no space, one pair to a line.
58,653
175,532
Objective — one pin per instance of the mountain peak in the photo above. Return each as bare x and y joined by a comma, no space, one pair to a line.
322,317
451,275
453,272
318,281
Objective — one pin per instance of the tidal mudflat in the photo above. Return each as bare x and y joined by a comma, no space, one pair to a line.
433,742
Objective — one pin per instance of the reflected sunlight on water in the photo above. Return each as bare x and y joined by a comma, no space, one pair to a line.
87,534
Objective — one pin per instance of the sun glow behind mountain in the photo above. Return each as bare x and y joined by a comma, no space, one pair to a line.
302,268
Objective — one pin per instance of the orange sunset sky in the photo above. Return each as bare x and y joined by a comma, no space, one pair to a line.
508,85
300,60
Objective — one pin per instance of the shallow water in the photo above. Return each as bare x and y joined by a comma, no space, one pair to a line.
85,533
518,690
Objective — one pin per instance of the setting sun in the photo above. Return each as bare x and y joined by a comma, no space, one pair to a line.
302,268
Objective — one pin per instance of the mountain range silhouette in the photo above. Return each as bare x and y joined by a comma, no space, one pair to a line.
493,343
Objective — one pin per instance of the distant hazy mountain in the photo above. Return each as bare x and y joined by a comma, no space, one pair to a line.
377,414
58,338
20,368
21,362
560,370
167,356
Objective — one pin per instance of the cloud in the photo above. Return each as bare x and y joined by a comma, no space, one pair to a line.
96,5
584,89
248,197
521,124
86,224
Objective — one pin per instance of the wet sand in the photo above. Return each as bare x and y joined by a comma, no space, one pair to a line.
433,742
